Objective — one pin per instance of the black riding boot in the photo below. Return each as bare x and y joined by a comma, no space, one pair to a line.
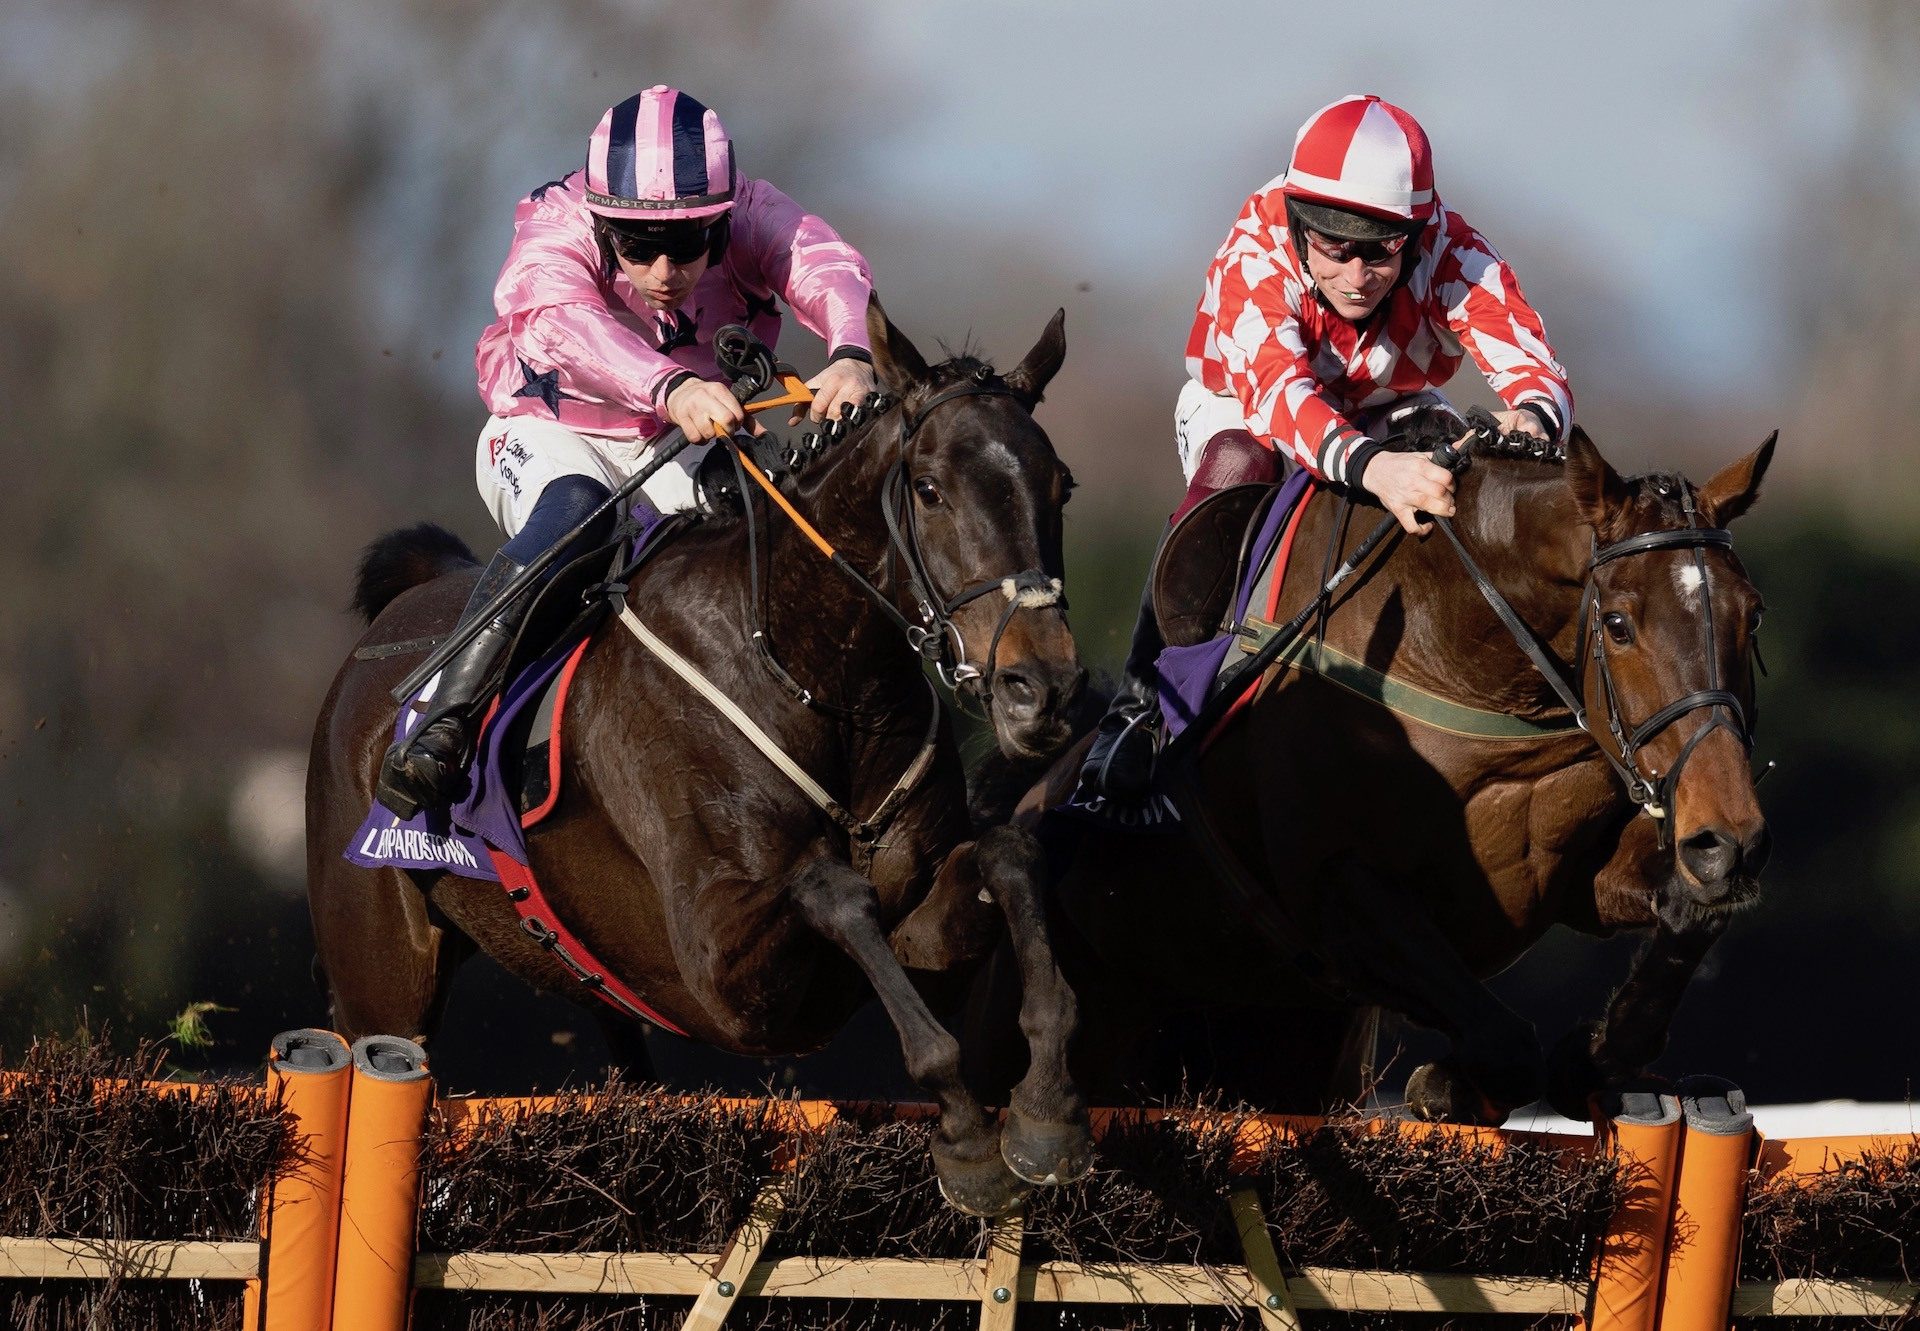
1120,763
426,769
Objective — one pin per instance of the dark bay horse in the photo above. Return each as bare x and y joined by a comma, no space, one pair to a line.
687,863
1355,858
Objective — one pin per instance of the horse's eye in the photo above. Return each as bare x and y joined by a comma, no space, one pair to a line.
929,492
1753,621
1618,627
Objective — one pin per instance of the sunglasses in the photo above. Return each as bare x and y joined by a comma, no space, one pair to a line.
680,245
1367,251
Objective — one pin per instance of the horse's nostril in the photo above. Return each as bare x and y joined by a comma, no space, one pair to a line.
1016,691
1710,855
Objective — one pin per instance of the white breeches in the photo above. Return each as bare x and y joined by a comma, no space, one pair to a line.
519,456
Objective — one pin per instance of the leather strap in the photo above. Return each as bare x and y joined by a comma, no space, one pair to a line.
863,832
543,925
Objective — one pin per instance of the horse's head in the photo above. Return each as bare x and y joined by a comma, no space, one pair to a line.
1667,643
975,496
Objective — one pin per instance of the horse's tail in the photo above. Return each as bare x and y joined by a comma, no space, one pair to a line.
405,558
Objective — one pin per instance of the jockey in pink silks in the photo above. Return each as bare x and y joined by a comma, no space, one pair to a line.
617,279
1345,292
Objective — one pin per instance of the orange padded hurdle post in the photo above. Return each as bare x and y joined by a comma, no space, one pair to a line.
380,1194
300,1225
1643,1126
1703,1239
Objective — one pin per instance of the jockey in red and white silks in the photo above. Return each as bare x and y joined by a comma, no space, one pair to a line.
1345,289
616,281
1289,351
1299,373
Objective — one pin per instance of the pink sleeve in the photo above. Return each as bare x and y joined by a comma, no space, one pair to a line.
798,255
1481,302
556,311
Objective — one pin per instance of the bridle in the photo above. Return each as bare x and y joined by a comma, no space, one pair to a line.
1651,791
936,638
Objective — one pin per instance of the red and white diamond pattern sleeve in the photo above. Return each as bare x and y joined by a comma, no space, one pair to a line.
1248,338
1481,302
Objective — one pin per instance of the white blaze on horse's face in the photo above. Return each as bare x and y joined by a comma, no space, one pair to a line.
1689,577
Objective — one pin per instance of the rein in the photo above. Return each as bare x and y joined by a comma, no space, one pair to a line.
936,638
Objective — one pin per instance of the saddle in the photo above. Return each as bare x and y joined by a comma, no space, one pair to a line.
1203,562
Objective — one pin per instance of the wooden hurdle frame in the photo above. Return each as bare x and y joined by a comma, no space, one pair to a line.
338,1235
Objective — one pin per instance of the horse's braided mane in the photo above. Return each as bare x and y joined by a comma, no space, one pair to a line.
959,366
1430,427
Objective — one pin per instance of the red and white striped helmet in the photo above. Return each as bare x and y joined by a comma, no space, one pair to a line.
660,156
1366,156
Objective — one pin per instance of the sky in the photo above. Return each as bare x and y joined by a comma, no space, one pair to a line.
1648,140
1644,146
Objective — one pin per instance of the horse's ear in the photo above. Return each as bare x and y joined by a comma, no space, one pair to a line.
1597,487
1733,489
896,360
1030,378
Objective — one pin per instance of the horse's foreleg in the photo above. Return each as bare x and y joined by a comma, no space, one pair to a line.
1386,947
1633,1034
1046,1138
842,907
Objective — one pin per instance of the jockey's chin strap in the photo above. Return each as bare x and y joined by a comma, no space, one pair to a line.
1653,792
937,637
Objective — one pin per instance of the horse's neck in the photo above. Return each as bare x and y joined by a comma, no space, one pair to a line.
1518,521
810,597
843,500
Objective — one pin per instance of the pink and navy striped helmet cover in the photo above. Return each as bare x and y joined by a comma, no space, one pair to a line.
662,156
1365,155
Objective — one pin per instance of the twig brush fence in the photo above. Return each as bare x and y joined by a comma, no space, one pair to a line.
341,1195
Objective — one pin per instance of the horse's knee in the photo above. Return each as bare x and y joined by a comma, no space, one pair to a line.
1009,857
834,900
934,1060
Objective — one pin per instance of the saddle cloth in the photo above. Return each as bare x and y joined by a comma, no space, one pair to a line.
1188,674
514,779
513,782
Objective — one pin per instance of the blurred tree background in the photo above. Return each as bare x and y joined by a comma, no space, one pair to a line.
249,248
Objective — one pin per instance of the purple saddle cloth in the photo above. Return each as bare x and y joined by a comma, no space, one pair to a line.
455,839
1187,676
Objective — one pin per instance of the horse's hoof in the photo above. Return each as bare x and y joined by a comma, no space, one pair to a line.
1046,1153
984,1187
1573,1078
1437,1093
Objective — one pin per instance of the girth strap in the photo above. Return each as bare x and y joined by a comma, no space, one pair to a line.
862,832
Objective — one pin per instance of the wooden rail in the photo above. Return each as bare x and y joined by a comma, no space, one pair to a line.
1667,1264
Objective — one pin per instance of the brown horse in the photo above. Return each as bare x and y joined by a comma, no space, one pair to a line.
695,871
1341,855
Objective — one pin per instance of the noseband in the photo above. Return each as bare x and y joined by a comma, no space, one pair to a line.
937,637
